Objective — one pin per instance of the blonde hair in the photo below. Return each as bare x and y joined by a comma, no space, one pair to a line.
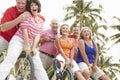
81,31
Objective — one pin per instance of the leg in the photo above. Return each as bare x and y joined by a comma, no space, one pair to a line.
86,74
40,73
14,50
104,77
3,44
79,75
99,74
84,70
61,60
46,60
76,71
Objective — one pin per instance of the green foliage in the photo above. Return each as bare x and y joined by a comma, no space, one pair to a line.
116,36
105,63
83,12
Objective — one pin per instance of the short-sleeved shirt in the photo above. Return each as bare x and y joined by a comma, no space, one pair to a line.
33,28
9,15
90,52
66,46
49,47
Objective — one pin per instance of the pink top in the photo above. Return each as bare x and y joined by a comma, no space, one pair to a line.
49,47
33,27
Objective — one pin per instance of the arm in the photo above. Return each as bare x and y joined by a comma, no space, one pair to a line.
13,23
96,56
81,47
26,41
94,67
72,52
36,42
44,37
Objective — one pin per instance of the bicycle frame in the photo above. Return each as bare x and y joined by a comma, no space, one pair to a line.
25,69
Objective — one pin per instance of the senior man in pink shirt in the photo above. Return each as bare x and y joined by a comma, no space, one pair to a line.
48,43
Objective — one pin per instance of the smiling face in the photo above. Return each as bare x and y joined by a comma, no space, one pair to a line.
86,33
76,31
64,30
54,25
21,5
34,8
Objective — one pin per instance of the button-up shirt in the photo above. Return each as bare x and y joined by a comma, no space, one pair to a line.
49,47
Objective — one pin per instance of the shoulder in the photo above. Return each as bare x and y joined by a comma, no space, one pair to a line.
45,32
93,41
12,8
30,15
42,17
81,41
9,14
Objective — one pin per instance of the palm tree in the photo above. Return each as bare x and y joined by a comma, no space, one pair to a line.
106,64
116,37
83,13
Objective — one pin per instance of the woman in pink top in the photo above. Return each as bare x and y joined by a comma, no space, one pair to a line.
23,40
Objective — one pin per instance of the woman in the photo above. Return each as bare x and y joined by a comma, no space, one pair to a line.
24,40
66,51
88,56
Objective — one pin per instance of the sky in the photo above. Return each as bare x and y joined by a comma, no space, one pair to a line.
54,9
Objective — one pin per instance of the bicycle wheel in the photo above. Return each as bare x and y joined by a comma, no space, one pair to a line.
3,55
67,74
24,69
50,72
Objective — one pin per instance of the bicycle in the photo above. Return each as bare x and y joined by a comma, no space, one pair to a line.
66,73
25,67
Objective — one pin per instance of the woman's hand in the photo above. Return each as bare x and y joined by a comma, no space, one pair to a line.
67,62
90,68
71,64
27,49
33,52
94,68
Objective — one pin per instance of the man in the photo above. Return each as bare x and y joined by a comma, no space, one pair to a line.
75,35
10,21
48,46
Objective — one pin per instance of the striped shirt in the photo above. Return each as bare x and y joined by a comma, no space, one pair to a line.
33,28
